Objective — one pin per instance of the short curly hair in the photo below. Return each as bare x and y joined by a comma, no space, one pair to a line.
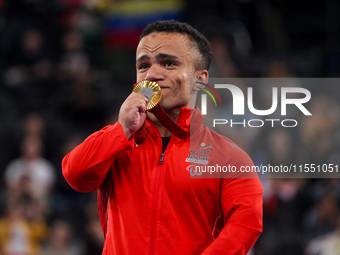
199,41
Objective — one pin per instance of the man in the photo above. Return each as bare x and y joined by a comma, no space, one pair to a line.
148,204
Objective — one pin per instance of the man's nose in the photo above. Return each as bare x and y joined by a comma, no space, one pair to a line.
154,74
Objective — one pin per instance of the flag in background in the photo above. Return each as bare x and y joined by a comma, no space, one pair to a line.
125,20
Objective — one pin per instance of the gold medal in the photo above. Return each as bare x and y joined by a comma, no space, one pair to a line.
151,90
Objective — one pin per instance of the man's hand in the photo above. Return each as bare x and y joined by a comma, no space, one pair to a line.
132,113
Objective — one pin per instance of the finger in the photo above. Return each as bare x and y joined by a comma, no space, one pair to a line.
140,95
142,106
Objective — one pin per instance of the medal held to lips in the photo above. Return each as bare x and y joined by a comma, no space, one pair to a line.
152,91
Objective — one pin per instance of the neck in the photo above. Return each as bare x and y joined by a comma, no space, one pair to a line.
30,158
162,129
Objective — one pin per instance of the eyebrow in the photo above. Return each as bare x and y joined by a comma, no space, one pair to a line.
158,57
144,57
167,56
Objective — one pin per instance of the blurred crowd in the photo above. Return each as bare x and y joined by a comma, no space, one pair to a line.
62,77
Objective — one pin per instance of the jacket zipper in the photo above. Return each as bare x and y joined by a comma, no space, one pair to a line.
161,157
154,205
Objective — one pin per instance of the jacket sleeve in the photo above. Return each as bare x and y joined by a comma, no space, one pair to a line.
86,166
241,200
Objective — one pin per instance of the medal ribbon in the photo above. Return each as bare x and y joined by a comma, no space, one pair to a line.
145,87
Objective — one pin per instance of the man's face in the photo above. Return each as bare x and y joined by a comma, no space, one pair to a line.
168,59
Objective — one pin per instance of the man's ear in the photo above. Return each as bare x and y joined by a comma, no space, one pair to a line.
202,77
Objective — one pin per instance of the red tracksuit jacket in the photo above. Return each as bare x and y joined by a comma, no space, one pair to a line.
149,204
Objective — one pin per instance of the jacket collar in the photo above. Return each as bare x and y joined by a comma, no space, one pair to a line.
191,120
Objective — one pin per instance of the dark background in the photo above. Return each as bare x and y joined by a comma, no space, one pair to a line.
67,66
